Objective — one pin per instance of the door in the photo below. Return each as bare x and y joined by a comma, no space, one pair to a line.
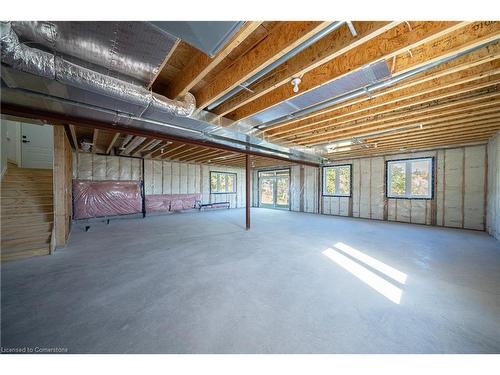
274,189
266,192
36,146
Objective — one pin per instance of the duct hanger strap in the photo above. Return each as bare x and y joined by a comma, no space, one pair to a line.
48,65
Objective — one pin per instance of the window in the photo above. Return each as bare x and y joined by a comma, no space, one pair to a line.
222,183
337,180
411,178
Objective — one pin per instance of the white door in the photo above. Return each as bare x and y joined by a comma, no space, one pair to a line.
36,146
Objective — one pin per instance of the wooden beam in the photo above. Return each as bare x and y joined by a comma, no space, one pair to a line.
485,87
165,61
390,152
282,39
397,97
469,36
485,134
359,131
94,140
145,145
73,137
202,64
405,147
415,115
327,48
442,131
462,130
163,154
63,164
183,152
393,42
209,157
399,91
156,148
133,144
197,154
111,144
437,130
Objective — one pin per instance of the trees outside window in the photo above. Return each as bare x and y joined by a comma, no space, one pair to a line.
222,183
411,178
337,180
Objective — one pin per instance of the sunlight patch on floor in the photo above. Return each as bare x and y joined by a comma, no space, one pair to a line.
376,282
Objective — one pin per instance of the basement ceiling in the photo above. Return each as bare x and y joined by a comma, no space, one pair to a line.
455,103
207,36
122,144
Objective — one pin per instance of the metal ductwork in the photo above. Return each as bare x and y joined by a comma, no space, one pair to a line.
54,67
287,56
128,50
367,90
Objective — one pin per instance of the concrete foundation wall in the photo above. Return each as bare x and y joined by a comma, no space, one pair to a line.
459,191
493,206
160,176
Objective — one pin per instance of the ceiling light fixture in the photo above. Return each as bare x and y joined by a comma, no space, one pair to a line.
295,82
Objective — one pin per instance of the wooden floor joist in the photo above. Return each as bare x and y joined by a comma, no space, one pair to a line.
393,42
282,39
454,101
326,49
389,100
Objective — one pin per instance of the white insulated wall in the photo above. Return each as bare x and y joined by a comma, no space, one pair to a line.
461,187
102,167
310,196
459,195
303,187
493,209
169,177
235,200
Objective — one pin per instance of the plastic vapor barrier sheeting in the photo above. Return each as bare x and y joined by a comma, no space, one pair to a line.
105,198
171,202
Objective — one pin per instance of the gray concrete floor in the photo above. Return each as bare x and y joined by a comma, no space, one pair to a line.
200,283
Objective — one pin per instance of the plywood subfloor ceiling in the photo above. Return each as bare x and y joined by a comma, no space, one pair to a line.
115,143
452,104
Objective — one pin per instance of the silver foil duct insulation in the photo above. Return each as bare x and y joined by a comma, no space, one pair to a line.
48,65
132,51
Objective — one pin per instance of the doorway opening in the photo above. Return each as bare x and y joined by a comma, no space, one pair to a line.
274,189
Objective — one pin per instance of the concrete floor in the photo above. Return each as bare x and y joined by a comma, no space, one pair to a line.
200,283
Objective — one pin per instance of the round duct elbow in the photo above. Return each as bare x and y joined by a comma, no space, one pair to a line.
184,107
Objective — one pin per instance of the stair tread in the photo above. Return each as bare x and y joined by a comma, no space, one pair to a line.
20,235
27,212
38,223
26,216
24,254
25,241
25,247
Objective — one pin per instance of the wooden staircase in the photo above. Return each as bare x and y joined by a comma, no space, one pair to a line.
26,212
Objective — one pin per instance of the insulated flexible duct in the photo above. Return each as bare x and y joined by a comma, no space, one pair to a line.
48,65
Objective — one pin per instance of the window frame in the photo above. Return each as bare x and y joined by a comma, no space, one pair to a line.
324,193
235,178
408,163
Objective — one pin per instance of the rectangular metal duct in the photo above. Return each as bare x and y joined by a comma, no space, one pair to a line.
130,51
207,36
360,78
